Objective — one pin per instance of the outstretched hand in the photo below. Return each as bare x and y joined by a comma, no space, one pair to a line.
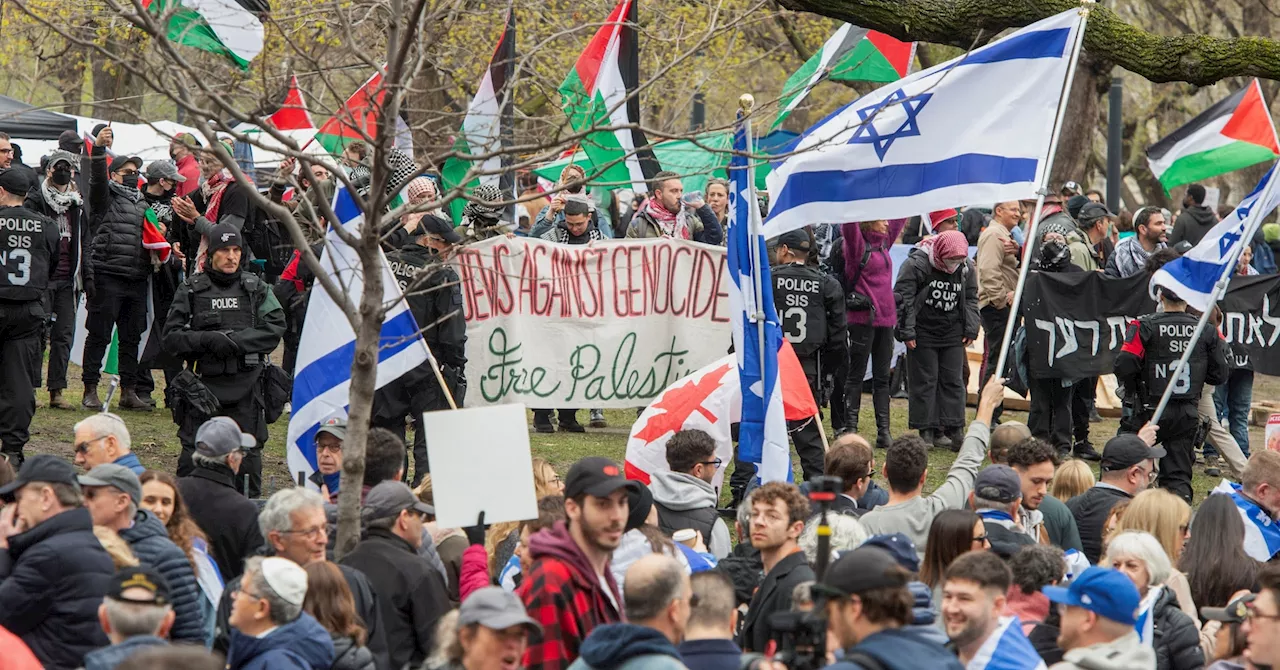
992,397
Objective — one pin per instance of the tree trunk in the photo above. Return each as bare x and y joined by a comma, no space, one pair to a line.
364,376
1080,123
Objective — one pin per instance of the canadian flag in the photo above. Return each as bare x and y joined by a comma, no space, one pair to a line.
709,400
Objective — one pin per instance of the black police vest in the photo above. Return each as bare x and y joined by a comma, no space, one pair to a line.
797,296
229,309
25,253
1164,337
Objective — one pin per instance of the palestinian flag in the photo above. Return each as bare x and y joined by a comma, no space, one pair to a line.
227,27
600,91
851,54
291,112
487,126
152,239
1234,133
359,113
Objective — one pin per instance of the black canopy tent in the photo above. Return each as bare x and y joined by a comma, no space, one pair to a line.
22,121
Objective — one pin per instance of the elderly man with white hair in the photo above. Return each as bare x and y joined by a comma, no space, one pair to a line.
104,438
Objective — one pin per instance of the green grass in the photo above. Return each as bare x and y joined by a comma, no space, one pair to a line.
156,444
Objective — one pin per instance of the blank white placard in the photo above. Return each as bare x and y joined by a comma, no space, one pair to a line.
480,461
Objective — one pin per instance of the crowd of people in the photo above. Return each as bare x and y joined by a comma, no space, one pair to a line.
1020,558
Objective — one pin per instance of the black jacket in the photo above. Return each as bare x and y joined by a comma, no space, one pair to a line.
366,606
1091,510
116,225
81,268
1177,640
774,595
150,542
347,655
411,595
229,519
923,316
1192,224
52,580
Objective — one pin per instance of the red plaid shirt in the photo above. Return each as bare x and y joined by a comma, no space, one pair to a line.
566,601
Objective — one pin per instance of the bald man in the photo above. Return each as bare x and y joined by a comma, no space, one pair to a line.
656,594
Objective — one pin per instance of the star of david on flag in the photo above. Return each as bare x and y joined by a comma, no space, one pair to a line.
867,132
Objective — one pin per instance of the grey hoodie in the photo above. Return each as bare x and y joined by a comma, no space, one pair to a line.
1125,653
680,492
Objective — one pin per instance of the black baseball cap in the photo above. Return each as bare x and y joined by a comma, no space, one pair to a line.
998,483
1094,211
596,476
120,162
440,227
1127,450
15,181
40,468
139,579
861,570
795,239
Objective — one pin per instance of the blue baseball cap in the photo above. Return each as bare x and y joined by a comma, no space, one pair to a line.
1103,591
900,547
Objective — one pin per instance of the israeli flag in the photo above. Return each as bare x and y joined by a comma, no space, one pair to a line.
974,130
1261,534
1193,275
757,333
1146,623
327,347
1007,648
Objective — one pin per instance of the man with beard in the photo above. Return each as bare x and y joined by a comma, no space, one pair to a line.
664,215
973,599
225,322
57,197
122,266
1149,228
1042,516
778,513
570,590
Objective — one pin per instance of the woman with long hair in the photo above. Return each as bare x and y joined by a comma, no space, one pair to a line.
954,532
1165,517
329,600
1161,623
718,199
161,497
872,315
1214,559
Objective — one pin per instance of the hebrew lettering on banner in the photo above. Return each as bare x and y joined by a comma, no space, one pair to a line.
610,324
1075,322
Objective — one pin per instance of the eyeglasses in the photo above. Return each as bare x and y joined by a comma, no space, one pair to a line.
83,447
870,473
127,173
717,463
1252,613
982,539
335,448
239,588
310,533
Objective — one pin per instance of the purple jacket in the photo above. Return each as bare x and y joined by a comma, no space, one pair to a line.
876,279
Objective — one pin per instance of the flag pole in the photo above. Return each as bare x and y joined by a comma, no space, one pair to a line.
746,102
1219,287
1085,6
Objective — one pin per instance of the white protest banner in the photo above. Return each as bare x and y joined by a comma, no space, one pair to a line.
610,324
500,484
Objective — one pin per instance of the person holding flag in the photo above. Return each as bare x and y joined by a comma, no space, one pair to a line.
163,182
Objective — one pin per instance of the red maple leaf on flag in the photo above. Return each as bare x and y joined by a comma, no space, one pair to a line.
680,403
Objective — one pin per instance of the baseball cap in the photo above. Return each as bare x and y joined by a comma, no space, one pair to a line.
121,161
390,498
795,239
998,483
1071,187
942,215
335,426
118,476
861,570
40,468
495,607
596,476
1127,450
163,169
70,142
220,436
440,227
222,236
286,578
62,156
139,578
1235,612
187,139
1103,591
15,181
1094,211
900,547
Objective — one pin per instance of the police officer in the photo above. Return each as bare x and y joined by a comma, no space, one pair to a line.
1153,346
224,322
434,293
28,243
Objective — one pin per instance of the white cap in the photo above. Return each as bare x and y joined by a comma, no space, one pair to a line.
286,578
